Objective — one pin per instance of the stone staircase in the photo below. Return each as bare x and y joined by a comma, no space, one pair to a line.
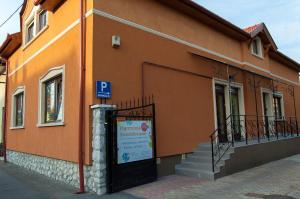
199,163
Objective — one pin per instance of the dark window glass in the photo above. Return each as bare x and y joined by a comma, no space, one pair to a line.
277,107
19,109
30,31
42,19
255,47
53,100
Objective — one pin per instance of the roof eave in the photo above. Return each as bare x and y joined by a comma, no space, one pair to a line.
282,58
6,50
198,12
49,5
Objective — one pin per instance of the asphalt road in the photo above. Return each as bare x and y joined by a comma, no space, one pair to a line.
18,183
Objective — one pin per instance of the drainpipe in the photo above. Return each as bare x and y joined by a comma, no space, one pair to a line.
5,112
81,100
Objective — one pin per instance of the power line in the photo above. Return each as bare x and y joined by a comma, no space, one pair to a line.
10,16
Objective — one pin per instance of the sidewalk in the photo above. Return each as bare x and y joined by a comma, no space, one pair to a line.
18,183
276,180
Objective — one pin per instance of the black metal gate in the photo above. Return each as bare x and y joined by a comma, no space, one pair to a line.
131,147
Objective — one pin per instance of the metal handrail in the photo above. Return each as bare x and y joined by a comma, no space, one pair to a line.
256,128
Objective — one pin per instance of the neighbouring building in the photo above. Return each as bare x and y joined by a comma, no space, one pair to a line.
2,97
200,68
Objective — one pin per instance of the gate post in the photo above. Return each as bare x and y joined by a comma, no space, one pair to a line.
96,175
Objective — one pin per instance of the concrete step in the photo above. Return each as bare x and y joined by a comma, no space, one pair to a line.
204,156
205,147
203,174
199,158
208,144
206,162
197,165
202,153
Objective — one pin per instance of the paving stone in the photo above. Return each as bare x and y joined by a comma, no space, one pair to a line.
275,180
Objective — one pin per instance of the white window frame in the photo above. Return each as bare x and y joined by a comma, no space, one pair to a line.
33,18
19,90
279,94
52,73
32,21
240,88
38,30
259,47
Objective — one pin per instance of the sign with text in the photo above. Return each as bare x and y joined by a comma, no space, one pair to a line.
103,89
134,140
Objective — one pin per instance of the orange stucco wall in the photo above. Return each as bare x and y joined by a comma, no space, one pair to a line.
60,47
185,112
183,90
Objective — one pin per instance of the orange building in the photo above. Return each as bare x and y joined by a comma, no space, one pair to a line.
200,68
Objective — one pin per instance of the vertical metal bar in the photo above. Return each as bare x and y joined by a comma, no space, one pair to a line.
276,130
154,135
212,153
108,123
297,130
246,133
256,108
267,129
275,119
230,107
295,111
291,127
232,130
284,127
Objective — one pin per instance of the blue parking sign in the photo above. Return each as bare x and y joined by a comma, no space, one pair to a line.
103,89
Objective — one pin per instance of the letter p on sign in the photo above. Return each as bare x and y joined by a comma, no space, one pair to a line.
103,86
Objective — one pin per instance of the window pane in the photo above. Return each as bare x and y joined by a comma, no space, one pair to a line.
30,32
277,107
42,19
255,47
59,100
19,110
53,100
50,101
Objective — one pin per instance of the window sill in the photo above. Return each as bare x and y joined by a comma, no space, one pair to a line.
51,124
17,127
258,56
34,38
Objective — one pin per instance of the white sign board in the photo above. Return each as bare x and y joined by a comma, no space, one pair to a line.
134,140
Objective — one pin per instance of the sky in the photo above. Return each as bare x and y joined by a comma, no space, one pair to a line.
281,17
12,26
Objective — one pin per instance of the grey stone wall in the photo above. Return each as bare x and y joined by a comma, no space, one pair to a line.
67,172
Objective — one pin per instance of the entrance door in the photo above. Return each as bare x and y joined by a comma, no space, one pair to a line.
235,108
221,113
